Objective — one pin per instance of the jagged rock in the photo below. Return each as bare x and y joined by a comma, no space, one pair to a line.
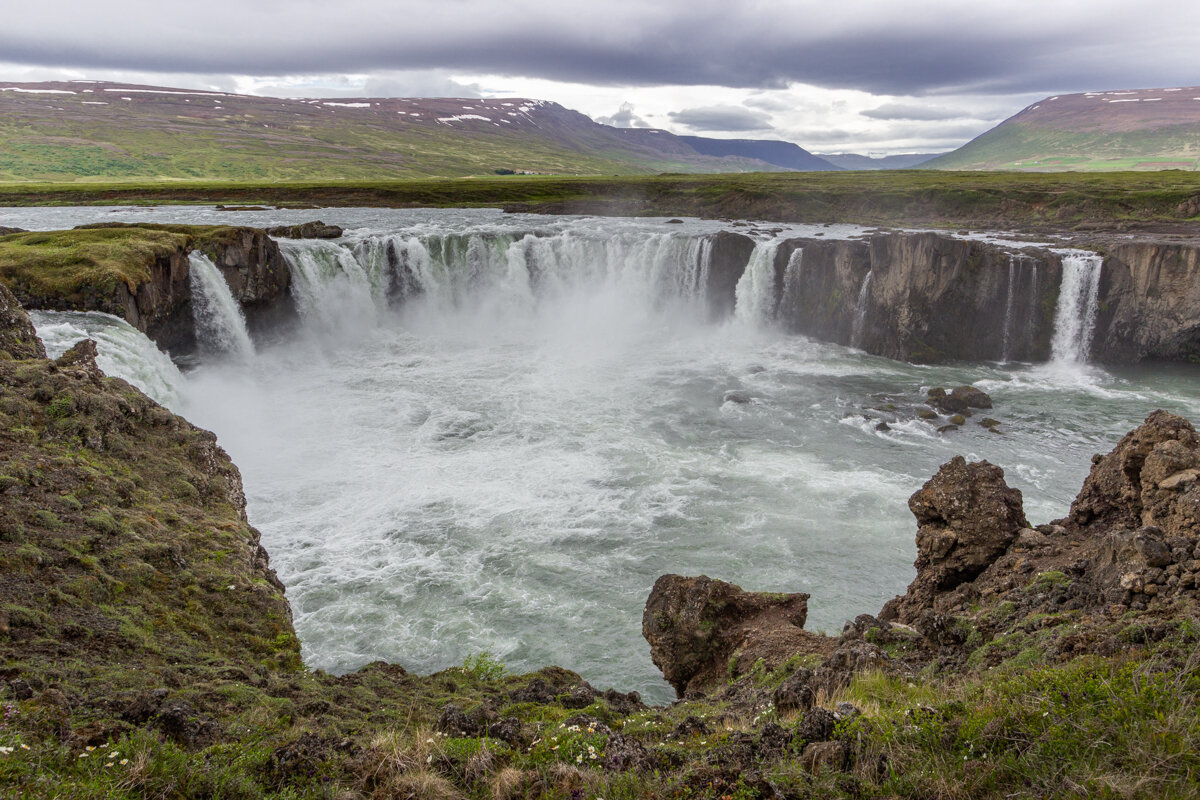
967,517
695,625
82,354
795,693
306,230
974,398
18,339
623,753
5,231
817,725
1124,489
737,396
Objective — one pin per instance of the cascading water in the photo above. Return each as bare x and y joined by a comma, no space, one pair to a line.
1008,309
860,311
122,350
1075,314
755,291
220,324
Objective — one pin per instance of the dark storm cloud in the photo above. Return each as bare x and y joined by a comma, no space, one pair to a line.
721,118
881,47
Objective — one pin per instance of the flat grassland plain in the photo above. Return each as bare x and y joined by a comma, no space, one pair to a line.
1086,201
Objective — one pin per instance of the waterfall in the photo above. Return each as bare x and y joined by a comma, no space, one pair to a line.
755,291
1075,314
123,351
502,275
1008,310
791,273
860,311
220,325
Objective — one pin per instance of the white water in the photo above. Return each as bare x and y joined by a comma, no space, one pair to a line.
860,312
1008,309
122,350
509,458
1075,314
220,324
755,292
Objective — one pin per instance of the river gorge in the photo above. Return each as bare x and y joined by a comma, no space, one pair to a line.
480,431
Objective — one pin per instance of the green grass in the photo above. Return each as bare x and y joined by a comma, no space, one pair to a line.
909,197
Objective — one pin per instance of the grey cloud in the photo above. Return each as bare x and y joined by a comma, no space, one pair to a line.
721,118
872,45
624,118
889,111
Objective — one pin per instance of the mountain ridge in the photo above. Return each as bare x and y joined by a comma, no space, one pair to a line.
72,130
1140,129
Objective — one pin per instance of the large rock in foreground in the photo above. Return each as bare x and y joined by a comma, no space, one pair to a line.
696,626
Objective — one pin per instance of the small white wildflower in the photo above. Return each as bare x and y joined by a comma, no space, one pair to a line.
23,747
123,761
109,764
429,740
554,748
6,750
103,746
704,741
579,759
231,587
89,748
592,755
429,758
83,755
114,754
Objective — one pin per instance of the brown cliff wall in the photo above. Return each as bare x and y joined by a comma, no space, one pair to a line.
1149,303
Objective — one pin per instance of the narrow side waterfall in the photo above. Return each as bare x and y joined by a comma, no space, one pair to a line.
123,351
1075,314
860,312
220,324
791,273
1006,352
755,292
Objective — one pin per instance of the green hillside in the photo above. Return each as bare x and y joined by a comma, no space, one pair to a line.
86,131
1099,131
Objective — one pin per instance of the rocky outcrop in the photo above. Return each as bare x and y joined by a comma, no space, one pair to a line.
1149,303
703,631
967,516
306,230
4,231
18,339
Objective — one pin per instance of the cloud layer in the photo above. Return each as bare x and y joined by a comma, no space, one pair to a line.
880,47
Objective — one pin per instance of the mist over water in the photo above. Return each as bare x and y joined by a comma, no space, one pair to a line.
508,458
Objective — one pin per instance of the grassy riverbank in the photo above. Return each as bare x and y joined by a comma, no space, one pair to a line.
908,197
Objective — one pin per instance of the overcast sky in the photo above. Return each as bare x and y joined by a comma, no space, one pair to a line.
853,76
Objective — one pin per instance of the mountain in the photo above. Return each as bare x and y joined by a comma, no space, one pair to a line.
772,151
855,161
1143,129
80,130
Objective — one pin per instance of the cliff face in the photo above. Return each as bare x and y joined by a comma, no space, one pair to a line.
1149,303
921,297
927,297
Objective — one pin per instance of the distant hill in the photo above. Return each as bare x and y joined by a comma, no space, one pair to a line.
81,130
1142,129
859,162
772,151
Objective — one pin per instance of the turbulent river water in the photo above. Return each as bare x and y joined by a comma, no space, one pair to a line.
503,450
